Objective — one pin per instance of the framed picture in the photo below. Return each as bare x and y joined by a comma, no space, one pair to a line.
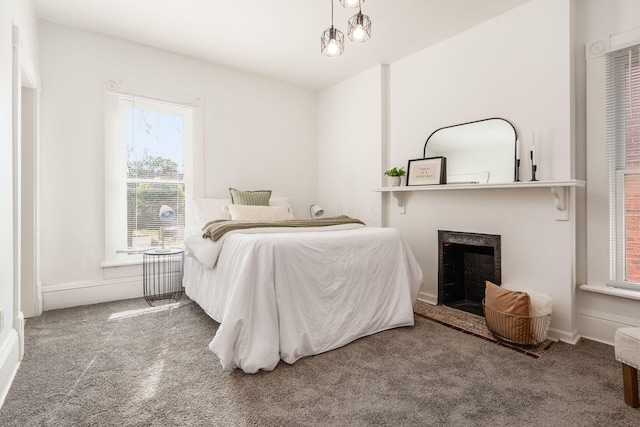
428,171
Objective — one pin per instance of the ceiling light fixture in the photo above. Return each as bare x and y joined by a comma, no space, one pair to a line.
332,40
359,29
352,3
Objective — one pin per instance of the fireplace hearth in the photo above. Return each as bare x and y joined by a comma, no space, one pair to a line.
465,262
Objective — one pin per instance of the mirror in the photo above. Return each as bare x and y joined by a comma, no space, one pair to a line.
483,151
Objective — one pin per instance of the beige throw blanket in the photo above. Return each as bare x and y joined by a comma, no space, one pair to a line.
214,230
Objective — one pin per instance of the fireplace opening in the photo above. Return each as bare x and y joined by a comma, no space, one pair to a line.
465,262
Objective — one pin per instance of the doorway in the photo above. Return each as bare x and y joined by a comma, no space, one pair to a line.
27,299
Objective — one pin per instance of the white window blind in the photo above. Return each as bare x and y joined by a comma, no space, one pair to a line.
623,157
148,164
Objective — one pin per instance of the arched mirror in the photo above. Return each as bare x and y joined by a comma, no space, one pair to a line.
483,151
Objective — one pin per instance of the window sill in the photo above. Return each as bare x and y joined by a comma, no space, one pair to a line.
110,264
608,290
135,257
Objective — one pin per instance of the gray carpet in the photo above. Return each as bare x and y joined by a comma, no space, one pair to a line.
118,364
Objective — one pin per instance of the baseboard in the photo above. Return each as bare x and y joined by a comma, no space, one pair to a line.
85,293
19,325
9,362
559,335
601,326
428,298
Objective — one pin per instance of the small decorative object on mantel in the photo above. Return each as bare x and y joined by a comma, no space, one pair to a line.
517,171
394,175
427,171
534,159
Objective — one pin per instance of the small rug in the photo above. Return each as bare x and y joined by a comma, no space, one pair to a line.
470,323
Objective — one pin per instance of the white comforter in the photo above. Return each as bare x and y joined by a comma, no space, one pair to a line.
290,295
207,251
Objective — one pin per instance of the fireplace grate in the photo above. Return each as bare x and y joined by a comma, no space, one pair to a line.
466,261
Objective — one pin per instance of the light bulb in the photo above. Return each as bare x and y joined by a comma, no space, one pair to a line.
352,2
358,33
333,47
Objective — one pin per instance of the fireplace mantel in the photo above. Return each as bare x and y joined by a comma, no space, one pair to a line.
558,190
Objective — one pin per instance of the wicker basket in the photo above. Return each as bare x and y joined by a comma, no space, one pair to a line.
517,330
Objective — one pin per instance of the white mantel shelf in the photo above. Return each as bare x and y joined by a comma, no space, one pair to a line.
524,184
558,190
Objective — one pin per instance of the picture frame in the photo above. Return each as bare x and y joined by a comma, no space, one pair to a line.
427,171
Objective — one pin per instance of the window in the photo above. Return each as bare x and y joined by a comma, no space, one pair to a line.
149,151
623,149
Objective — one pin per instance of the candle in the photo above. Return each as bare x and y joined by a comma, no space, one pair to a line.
518,149
532,140
533,149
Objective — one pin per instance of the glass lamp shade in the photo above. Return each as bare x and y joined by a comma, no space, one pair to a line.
359,28
332,42
166,213
351,3
316,211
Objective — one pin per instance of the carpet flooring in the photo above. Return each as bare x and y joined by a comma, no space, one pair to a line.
125,363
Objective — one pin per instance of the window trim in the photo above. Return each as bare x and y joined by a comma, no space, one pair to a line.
599,233
617,177
115,169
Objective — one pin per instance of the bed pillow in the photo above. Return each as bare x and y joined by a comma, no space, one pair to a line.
206,210
507,301
541,305
253,198
259,213
515,303
282,201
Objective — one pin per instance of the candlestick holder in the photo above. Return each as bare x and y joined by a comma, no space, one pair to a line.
534,167
517,171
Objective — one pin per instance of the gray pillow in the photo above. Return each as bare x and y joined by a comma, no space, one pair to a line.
254,198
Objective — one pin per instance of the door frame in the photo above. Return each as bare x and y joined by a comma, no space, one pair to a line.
24,75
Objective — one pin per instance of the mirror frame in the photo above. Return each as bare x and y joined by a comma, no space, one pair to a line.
515,140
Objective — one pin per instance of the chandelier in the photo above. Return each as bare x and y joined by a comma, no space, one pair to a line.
359,26
352,3
359,30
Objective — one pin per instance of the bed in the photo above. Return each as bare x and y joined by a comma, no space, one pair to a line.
283,294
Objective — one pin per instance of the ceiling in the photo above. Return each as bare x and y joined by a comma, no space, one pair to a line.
279,39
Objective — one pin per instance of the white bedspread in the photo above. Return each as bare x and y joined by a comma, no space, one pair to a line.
290,295
207,251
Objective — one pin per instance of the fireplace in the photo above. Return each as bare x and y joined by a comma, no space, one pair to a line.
465,262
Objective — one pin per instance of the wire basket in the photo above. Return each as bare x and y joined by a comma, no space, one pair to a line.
516,330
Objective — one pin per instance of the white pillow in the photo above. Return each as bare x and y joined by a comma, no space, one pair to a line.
206,210
541,304
259,213
282,201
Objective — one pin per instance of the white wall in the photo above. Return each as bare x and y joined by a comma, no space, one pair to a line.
599,315
516,66
351,138
20,13
258,134
512,67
